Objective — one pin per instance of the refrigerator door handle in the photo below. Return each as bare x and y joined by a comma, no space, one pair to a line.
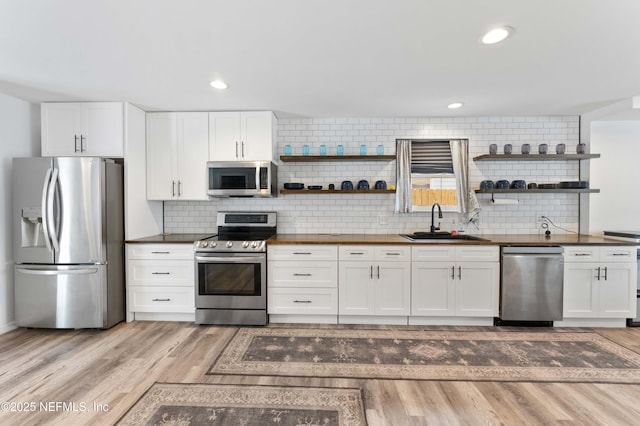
45,218
53,232
87,271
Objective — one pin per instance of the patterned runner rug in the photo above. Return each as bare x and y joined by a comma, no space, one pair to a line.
429,355
197,404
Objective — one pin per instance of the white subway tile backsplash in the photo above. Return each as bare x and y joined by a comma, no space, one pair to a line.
358,213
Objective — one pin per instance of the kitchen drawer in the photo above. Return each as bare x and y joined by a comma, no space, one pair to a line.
477,253
304,301
302,252
354,253
160,251
618,253
165,299
433,253
581,253
393,253
291,273
178,273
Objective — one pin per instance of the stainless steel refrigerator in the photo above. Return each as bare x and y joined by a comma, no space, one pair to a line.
68,242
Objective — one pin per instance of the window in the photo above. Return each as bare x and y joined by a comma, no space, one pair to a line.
432,176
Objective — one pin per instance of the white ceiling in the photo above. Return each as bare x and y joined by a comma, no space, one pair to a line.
324,58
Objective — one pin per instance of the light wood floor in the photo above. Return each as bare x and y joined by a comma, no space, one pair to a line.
113,368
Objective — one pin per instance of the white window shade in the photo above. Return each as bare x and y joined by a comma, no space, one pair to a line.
431,157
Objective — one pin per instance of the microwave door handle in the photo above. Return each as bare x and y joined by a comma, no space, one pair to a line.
53,231
258,177
45,217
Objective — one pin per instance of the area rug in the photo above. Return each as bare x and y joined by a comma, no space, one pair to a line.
429,355
196,404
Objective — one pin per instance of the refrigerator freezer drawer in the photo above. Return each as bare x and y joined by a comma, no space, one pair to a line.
60,296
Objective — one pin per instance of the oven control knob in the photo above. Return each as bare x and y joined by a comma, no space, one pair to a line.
254,244
213,244
245,244
229,244
204,244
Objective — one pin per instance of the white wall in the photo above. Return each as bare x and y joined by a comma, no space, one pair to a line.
19,137
360,213
617,174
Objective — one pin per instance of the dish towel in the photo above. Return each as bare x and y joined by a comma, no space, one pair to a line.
473,209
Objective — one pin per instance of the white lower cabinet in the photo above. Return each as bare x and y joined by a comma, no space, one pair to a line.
374,281
302,283
599,284
454,281
160,282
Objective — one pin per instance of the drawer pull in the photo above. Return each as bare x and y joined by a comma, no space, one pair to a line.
160,252
620,254
393,254
356,252
302,252
301,275
582,254
161,273
161,300
302,301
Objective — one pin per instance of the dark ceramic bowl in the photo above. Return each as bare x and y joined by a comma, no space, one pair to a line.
294,186
502,184
486,185
518,184
346,185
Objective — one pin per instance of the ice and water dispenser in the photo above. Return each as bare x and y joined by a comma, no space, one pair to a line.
32,231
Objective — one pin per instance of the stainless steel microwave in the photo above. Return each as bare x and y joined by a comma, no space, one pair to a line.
242,179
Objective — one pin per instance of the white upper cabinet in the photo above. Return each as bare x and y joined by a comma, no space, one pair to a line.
177,152
90,129
244,136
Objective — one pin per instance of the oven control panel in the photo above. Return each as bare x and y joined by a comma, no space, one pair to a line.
230,246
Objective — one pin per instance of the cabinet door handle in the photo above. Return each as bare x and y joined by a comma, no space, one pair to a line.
620,254
582,254
393,254
161,273
459,272
301,275
236,149
82,139
75,143
179,188
161,300
160,252
173,188
302,252
453,272
243,150
598,276
605,273
378,268
302,301
371,272
356,252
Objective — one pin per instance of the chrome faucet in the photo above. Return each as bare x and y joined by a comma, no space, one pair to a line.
433,227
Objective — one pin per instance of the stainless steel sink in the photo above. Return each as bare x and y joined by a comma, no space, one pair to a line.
440,236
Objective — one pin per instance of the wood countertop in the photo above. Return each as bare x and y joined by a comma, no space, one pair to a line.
381,239
516,239
170,239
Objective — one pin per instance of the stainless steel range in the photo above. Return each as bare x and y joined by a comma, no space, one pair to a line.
231,270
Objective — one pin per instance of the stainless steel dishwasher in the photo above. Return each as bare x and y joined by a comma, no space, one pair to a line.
531,283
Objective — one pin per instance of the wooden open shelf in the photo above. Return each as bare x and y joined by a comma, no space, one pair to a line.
534,157
337,191
538,191
309,158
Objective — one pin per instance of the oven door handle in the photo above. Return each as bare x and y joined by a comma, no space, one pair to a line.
229,259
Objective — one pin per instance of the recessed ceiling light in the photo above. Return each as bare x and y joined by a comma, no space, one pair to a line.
455,105
219,84
496,35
